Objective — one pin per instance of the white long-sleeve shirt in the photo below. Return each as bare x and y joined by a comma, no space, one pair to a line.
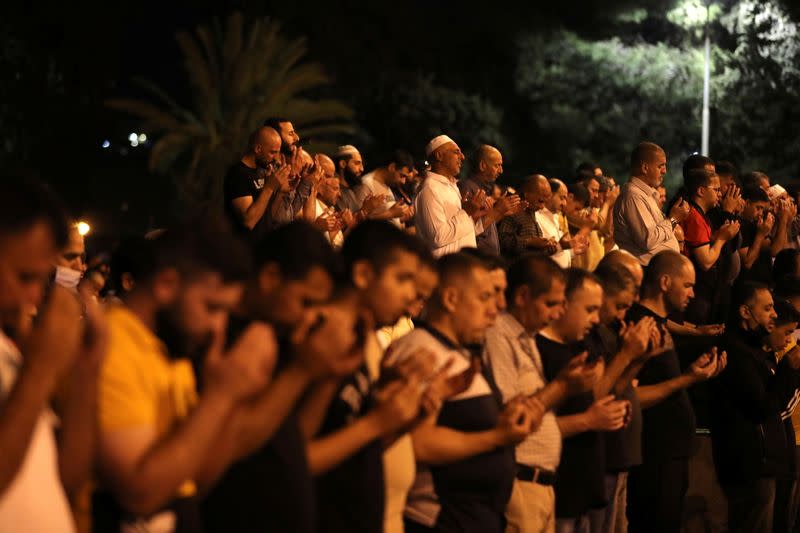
551,229
441,221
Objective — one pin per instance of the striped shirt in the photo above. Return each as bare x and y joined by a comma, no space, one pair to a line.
517,368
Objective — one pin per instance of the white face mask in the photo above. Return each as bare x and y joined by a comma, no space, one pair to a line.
67,277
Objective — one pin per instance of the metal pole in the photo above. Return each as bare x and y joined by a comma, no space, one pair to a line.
706,88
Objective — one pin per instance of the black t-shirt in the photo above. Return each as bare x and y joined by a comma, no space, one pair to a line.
667,427
473,492
241,181
270,490
762,267
350,496
623,447
580,483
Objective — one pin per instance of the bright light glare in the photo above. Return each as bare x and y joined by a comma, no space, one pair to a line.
135,143
83,228
133,137
106,143
142,137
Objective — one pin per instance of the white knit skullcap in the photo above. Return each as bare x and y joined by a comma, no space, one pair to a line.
775,191
347,149
436,142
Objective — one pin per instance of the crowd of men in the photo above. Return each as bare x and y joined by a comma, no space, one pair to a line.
408,350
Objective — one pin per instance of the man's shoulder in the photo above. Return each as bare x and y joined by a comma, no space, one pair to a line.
240,170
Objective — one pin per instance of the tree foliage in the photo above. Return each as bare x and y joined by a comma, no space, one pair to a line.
595,100
238,76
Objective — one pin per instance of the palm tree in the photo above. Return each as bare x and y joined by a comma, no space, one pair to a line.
238,77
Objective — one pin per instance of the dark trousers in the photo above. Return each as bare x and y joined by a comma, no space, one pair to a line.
655,496
750,505
785,510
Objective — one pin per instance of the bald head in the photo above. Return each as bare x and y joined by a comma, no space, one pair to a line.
265,145
665,264
649,163
626,260
328,166
487,163
535,190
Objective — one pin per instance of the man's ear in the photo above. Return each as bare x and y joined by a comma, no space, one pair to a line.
363,275
166,285
521,296
744,312
665,283
269,278
450,298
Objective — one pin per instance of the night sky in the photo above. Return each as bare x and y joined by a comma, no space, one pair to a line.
61,60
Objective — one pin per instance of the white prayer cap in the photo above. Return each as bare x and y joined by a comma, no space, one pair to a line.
436,142
347,149
776,191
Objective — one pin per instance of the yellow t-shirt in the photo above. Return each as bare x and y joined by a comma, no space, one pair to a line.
796,412
140,386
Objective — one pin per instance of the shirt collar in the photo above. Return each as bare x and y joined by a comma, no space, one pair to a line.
441,179
436,334
647,189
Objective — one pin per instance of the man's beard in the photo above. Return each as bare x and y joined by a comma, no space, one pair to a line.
178,342
288,149
351,177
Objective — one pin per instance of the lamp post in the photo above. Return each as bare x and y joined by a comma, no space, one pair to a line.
706,86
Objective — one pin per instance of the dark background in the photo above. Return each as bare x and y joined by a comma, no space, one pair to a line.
59,61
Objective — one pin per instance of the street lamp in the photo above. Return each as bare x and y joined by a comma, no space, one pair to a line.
83,228
706,86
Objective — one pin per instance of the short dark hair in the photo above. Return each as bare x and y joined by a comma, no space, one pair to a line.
375,241
275,122
752,179
785,263
663,263
696,178
587,166
577,278
555,184
458,264
786,312
726,168
615,278
296,248
643,153
579,193
754,194
745,293
585,176
492,261
198,246
695,162
787,287
534,271
400,158
23,203
133,255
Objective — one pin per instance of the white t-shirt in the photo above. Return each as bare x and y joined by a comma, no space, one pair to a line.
35,500
321,209
369,185
441,221
552,230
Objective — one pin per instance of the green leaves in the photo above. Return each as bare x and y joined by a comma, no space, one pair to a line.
239,75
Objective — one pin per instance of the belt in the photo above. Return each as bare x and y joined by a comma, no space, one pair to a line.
535,475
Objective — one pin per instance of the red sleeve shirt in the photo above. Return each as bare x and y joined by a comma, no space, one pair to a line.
696,229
